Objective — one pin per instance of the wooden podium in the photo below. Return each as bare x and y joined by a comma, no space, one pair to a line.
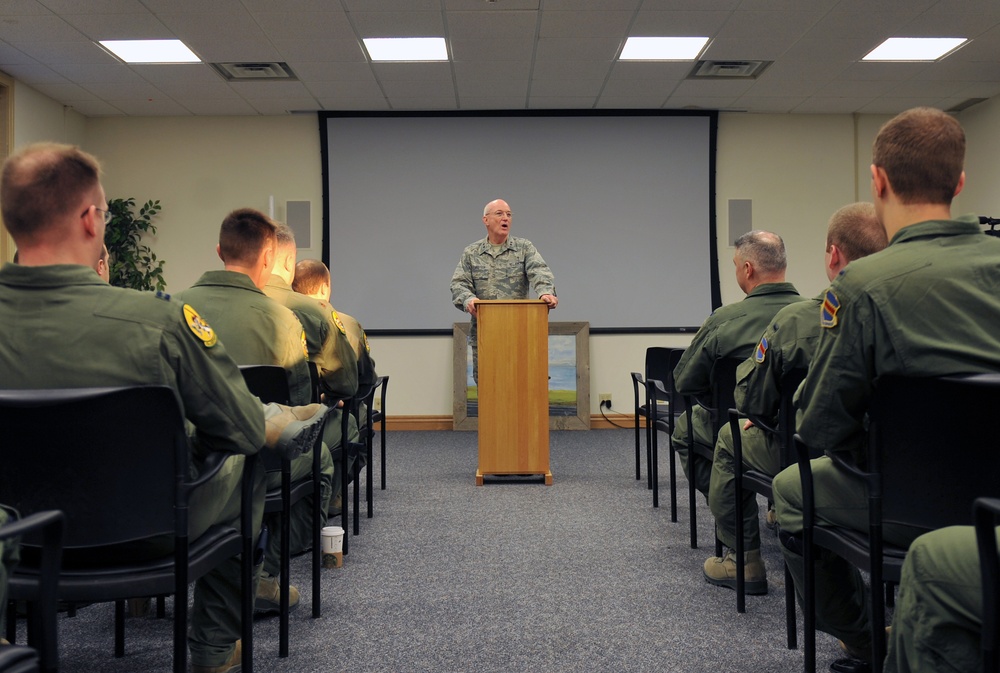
513,388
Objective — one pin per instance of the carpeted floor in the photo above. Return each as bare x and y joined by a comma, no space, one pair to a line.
583,575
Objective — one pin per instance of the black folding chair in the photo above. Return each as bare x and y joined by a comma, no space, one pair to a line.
126,479
903,451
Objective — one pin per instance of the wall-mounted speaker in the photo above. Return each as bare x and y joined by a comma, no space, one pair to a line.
740,218
298,218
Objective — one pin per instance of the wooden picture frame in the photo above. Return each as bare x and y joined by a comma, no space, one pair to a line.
577,417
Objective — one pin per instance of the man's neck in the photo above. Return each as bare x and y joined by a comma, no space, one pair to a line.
899,216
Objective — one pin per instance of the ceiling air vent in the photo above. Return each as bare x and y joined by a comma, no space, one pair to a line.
728,69
254,71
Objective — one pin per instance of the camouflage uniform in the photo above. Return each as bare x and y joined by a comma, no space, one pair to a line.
731,331
505,274
787,344
64,327
259,331
927,305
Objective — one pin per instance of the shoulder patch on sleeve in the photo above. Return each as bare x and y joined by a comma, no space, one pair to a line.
364,336
305,345
160,294
199,327
338,322
828,311
761,351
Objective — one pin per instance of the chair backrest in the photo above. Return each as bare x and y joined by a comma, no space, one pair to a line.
986,513
268,382
115,460
933,466
723,396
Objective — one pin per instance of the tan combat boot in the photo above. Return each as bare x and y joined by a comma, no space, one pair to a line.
722,572
292,431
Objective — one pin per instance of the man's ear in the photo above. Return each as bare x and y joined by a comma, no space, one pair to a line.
880,182
218,251
961,183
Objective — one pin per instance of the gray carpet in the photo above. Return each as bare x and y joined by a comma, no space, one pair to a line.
448,576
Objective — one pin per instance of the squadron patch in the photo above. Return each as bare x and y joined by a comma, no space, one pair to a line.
368,349
338,323
828,312
199,327
305,347
761,351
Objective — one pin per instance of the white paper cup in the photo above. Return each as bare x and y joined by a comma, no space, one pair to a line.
333,539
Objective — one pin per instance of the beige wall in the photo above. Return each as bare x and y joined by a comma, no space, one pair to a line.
797,169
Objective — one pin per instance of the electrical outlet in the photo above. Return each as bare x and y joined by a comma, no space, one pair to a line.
605,400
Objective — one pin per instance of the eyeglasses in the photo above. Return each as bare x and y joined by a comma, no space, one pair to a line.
501,213
107,214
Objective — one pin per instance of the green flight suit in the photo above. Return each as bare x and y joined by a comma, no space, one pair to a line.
359,342
502,274
787,344
66,328
927,305
326,340
731,331
259,331
330,349
939,612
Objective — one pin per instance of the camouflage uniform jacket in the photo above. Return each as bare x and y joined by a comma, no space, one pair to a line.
505,275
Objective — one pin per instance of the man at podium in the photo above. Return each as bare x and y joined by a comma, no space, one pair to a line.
499,266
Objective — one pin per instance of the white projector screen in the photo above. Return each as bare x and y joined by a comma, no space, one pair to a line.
620,205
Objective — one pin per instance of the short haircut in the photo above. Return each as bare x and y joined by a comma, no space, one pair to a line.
763,249
310,274
104,254
922,152
286,237
856,231
43,183
244,235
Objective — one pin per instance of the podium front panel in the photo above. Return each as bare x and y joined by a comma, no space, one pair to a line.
513,388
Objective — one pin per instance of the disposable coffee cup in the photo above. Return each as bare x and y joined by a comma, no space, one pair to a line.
333,545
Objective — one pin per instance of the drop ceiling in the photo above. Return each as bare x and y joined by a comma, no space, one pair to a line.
505,55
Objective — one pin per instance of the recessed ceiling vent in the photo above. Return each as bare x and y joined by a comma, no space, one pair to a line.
239,72
728,69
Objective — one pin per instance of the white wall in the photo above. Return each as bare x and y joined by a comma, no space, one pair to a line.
38,118
797,169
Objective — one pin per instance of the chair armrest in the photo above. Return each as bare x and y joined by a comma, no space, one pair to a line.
985,512
770,428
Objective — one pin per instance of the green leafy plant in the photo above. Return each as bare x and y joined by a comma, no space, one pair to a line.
132,263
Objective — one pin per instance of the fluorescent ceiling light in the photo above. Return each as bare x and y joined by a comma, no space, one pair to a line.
915,48
151,51
406,48
662,48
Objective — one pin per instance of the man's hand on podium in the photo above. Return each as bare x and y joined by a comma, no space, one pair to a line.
551,300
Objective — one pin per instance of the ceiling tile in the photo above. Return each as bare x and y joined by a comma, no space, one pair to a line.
498,25
333,72
565,88
284,105
412,71
492,50
94,108
219,107
320,50
591,70
678,23
305,26
398,24
583,24
409,88
568,49
269,90
156,107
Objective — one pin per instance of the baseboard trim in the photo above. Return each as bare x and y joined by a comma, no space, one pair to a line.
445,423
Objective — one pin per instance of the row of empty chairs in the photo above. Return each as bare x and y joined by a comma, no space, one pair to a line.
904,450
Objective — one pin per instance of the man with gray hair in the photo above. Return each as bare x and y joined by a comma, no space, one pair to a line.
787,345
731,331
499,266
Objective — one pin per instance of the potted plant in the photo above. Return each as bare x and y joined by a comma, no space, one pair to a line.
132,263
